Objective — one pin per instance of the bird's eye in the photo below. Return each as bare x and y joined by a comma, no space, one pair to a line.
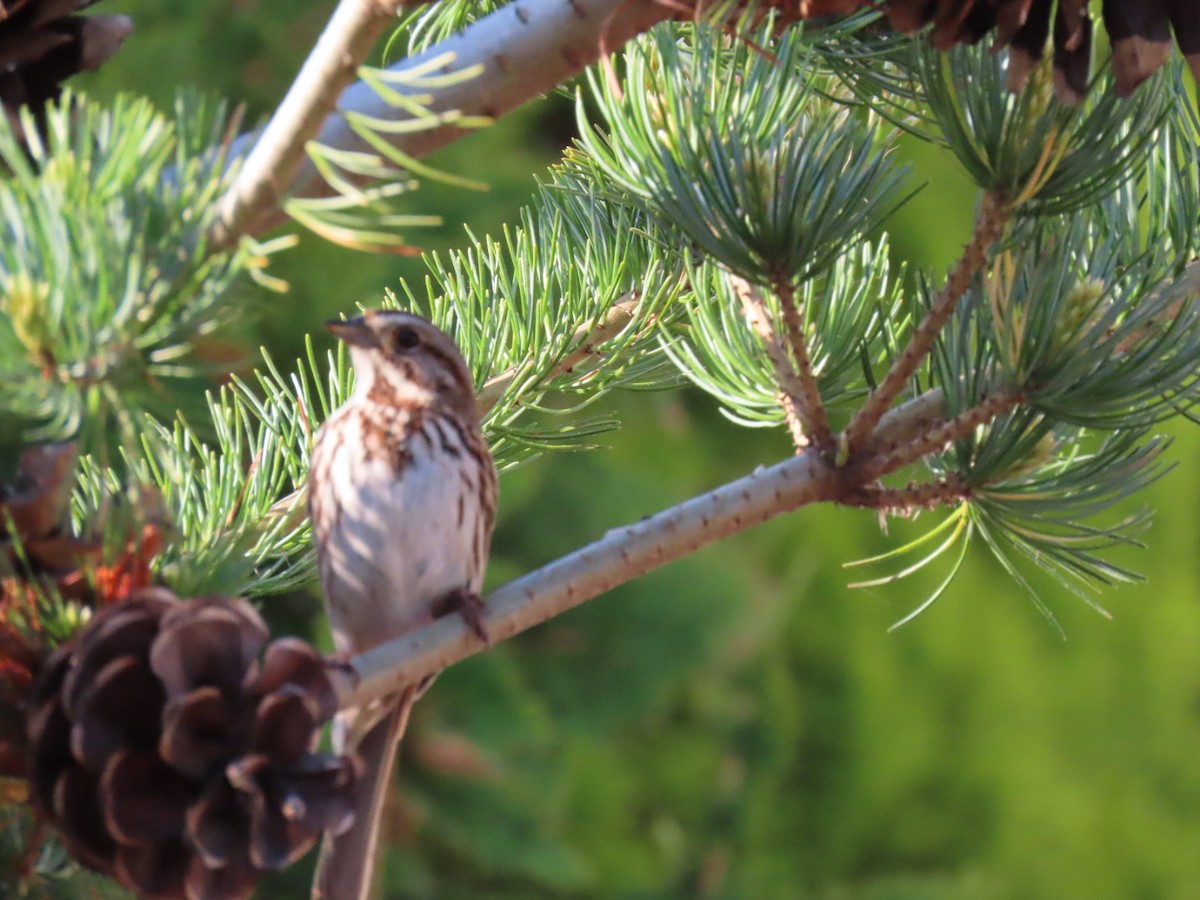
405,339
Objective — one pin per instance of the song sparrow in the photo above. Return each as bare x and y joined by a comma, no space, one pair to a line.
402,496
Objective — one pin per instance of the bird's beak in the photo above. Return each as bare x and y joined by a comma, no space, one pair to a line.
353,331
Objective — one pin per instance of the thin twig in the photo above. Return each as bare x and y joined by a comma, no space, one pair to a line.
814,408
796,397
917,495
587,342
993,213
936,438
263,179
906,422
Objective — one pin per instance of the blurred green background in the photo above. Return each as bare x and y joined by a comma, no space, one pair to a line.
742,724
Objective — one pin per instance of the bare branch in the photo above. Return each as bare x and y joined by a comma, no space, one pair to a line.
814,408
524,50
914,496
938,437
263,179
907,422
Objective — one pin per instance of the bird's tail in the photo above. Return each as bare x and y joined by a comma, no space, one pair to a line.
346,867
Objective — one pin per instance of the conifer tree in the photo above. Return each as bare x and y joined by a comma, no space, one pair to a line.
722,221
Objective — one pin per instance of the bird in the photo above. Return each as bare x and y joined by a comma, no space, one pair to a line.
402,499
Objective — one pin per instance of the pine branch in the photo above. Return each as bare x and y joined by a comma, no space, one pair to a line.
911,497
906,422
940,436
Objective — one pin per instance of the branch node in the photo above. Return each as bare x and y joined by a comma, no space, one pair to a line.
938,437
800,395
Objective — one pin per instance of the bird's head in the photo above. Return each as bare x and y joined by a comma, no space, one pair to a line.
401,357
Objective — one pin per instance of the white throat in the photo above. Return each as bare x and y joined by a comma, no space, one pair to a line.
367,369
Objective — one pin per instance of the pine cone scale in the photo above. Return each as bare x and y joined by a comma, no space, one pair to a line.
200,731
145,800
121,709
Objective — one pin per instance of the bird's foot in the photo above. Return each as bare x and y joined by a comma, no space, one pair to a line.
342,661
467,604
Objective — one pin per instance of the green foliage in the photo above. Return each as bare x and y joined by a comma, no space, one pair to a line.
106,281
369,187
431,24
519,309
735,726
1060,159
852,309
735,149
229,536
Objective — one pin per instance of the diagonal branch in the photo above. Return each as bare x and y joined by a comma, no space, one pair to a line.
938,437
523,50
621,555
906,422
268,170
914,496
793,322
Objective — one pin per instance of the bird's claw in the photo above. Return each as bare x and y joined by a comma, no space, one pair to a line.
342,661
467,604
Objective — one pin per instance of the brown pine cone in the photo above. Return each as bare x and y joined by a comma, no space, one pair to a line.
1139,30
33,509
174,748
44,42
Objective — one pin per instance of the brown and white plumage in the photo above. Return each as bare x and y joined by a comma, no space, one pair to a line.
402,496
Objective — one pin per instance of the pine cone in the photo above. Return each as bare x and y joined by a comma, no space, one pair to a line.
40,558
1139,30
176,755
32,509
43,43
